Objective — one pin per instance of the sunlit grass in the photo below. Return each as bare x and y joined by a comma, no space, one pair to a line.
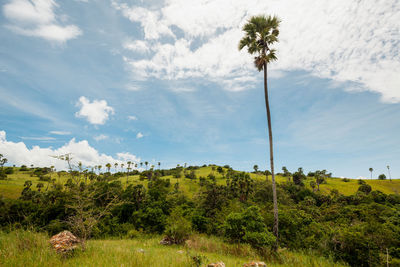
12,187
25,248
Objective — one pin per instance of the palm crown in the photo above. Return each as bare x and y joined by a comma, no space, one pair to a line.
260,33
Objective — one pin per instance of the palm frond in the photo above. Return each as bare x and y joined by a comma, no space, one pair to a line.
260,32
271,56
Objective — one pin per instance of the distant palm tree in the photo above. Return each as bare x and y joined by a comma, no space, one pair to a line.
115,166
255,167
122,167
141,164
371,170
108,166
146,163
99,167
159,164
260,33
390,177
129,165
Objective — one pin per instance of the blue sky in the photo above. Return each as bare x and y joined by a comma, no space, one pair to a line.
163,81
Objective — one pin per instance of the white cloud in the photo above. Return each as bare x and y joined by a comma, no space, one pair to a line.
40,138
346,41
96,112
100,137
150,20
132,87
19,154
139,135
2,136
60,132
137,46
132,118
37,18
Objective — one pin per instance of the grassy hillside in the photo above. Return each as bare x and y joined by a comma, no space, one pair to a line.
12,187
24,248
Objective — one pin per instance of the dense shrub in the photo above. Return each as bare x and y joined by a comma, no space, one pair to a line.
9,170
248,227
178,228
366,188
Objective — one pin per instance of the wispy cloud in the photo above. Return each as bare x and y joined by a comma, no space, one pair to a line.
60,132
100,137
38,19
38,138
335,41
132,118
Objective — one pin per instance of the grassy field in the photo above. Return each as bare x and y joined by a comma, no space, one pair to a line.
12,187
25,248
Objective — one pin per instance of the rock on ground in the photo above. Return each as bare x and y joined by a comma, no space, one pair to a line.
218,264
255,264
64,242
166,241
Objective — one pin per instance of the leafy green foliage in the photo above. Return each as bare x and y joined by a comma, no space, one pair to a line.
248,227
178,228
355,228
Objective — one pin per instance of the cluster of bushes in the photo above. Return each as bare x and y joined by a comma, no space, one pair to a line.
360,229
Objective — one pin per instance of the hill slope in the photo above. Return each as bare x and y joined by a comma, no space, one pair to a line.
12,187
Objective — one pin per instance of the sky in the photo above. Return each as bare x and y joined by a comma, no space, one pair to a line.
164,81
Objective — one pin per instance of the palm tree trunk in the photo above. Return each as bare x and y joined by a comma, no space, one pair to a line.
271,153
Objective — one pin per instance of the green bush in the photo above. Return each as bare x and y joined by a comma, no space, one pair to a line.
178,227
133,234
248,227
366,188
9,170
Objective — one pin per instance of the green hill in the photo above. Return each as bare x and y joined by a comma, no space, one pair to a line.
12,187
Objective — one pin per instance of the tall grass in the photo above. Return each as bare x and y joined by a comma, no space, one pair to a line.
27,248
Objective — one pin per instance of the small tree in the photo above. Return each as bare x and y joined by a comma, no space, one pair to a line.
255,167
85,213
298,177
382,177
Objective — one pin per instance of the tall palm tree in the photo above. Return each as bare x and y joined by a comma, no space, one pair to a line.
159,164
390,177
260,33
371,170
146,163
115,166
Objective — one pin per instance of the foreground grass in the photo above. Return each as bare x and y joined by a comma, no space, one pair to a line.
25,248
